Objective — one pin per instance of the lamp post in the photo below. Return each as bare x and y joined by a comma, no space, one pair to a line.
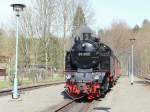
129,66
132,40
17,8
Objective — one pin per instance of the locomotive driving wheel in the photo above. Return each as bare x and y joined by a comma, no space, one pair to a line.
105,86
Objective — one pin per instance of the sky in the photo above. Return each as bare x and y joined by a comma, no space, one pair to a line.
106,11
6,12
131,11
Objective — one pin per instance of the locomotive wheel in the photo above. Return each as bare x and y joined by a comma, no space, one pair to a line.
102,92
74,96
111,84
105,85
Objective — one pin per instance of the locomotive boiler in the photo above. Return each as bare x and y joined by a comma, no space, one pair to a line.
91,67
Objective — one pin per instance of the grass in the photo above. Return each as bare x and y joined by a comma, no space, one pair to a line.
26,82
4,84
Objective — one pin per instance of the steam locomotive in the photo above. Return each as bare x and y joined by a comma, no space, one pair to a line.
91,68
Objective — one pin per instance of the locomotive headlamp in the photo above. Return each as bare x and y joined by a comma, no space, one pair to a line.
68,76
96,77
93,61
83,46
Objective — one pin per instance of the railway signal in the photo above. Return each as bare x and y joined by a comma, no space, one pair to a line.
17,8
132,40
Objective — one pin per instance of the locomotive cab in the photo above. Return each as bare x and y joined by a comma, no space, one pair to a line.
105,57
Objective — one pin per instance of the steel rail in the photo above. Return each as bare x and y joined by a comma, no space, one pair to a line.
75,106
64,106
144,78
28,88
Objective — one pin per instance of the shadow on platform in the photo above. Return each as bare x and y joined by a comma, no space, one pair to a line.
105,109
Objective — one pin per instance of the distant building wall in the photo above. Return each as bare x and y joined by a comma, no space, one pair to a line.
2,72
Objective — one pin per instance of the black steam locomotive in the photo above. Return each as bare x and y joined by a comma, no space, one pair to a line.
91,67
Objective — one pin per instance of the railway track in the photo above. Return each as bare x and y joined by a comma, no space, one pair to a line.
28,88
75,106
146,79
65,106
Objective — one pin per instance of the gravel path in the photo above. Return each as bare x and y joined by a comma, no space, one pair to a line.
125,98
33,101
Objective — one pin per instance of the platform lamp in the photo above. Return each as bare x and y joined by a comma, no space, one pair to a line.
17,8
132,40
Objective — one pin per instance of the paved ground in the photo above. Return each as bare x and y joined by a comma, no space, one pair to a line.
33,101
122,98
125,98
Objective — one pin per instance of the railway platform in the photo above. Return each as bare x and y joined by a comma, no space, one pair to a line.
125,97
36,100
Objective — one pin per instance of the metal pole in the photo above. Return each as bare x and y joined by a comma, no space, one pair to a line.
132,68
129,67
15,88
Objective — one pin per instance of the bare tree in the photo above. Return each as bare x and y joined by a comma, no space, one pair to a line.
37,22
143,47
117,37
67,11
45,12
